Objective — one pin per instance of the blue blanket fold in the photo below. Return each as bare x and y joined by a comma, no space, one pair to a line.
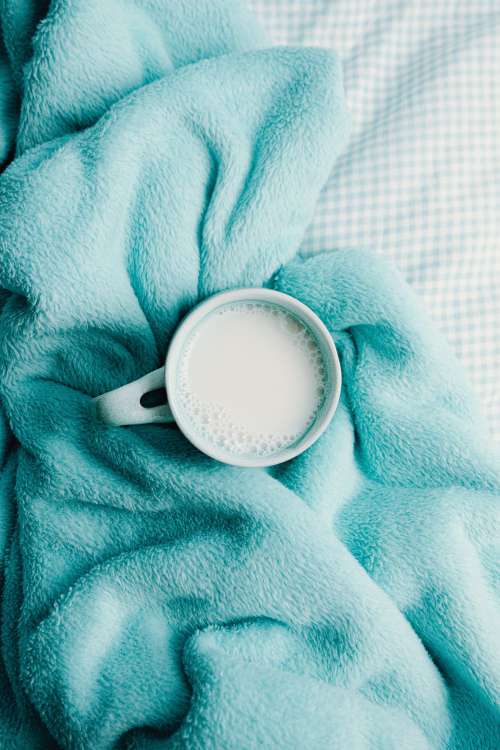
151,597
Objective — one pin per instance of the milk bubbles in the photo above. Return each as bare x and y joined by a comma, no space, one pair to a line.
252,379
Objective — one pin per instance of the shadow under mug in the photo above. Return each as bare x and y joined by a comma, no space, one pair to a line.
122,406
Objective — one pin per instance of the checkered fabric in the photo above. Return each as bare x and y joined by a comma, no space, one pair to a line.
420,181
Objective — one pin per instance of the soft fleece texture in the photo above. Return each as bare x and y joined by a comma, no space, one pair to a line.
151,597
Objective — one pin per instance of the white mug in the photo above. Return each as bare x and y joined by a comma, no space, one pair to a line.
122,406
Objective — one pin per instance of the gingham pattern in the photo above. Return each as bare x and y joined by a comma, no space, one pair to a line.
420,181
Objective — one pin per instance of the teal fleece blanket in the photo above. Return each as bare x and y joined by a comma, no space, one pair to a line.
150,596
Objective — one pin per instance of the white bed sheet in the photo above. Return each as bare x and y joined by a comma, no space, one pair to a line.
420,180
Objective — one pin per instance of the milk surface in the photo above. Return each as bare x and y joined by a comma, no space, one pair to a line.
252,379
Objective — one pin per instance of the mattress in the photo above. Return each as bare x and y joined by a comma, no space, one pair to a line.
420,180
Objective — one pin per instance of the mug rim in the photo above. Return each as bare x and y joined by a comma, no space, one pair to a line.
249,294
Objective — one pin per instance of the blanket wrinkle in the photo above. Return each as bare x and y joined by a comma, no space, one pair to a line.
151,597
107,50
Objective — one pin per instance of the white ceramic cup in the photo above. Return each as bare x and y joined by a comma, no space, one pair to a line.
122,406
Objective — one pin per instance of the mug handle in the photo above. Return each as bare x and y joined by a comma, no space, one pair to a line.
122,406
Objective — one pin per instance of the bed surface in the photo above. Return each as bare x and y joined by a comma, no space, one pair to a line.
420,180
